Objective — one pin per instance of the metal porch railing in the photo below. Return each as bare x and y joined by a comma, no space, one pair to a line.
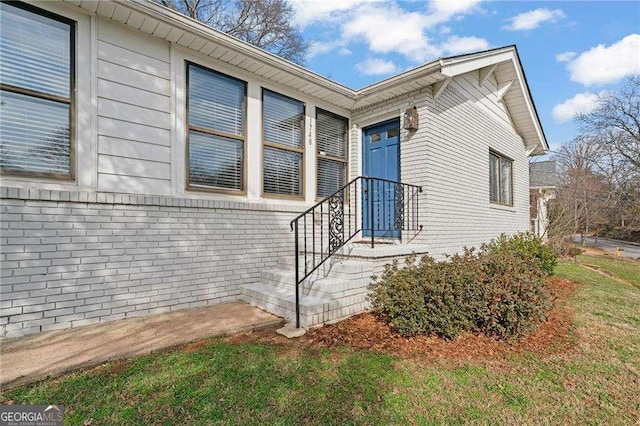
372,207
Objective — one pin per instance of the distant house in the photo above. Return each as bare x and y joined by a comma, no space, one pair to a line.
543,180
151,163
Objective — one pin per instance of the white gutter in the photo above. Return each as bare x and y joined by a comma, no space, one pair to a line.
190,25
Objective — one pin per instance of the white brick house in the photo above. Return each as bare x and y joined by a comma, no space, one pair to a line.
150,163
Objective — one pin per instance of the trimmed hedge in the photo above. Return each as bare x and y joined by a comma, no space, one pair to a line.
499,291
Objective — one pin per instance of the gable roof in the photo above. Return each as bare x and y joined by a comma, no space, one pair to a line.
542,174
151,18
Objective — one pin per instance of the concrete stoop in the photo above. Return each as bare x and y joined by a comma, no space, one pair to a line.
337,290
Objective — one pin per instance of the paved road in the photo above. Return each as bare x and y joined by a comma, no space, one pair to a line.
631,250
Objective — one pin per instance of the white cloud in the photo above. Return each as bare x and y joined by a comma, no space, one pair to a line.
385,27
405,32
308,11
607,64
456,45
580,103
322,47
566,56
532,19
376,67
391,29
441,11
345,52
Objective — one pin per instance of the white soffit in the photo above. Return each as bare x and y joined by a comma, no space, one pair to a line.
158,21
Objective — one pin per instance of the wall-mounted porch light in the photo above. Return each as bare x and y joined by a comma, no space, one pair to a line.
411,118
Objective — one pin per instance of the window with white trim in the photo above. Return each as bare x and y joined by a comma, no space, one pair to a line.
331,141
216,135
283,145
36,92
500,179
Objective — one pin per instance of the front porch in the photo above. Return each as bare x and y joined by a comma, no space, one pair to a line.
339,244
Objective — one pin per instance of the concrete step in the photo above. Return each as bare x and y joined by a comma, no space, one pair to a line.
314,285
333,267
314,310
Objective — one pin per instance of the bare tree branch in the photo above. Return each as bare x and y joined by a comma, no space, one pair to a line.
263,23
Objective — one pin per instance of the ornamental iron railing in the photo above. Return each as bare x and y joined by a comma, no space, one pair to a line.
366,206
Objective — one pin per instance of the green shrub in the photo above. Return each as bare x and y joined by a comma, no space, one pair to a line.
500,291
516,297
526,246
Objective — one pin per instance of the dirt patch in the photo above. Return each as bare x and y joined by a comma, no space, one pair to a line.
118,367
194,346
365,331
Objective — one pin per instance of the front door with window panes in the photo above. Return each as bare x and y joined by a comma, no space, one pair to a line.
382,160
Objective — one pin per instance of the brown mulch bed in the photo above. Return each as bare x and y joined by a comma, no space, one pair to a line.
366,331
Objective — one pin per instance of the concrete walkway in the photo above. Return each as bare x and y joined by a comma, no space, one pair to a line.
34,357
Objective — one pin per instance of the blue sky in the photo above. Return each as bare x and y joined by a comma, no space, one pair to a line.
571,50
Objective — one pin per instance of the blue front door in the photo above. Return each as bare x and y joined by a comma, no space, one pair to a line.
381,159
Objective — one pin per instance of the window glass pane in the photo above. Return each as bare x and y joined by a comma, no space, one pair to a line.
505,185
34,134
494,178
282,171
331,176
282,120
35,51
215,161
331,134
216,102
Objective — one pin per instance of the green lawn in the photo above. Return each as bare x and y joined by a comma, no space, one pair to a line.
596,382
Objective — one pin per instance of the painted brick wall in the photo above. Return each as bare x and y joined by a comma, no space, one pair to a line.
449,156
76,258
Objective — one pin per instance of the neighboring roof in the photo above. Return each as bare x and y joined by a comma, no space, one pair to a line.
542,174
504,62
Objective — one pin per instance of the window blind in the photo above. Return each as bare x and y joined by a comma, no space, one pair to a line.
282,171
505,184
35,51
331,134
215,102
216,129
331,139
282,120
500,179
331,176
215,161
494,178
35,97
283,127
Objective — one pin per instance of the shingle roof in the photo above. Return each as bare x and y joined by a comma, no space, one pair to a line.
542,174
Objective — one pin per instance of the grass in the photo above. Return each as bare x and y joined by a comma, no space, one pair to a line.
222,382
620,267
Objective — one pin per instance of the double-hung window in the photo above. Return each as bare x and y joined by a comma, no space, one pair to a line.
283,145
36,92
331,140
216,135
500,179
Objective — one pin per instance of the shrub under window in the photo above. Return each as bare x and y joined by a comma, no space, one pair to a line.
500,290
